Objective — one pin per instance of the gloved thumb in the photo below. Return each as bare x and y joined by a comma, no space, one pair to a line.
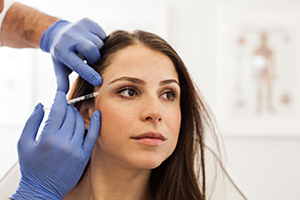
32,126
61,72
62,81
93,133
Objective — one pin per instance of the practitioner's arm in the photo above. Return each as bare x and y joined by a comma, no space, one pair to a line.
23,26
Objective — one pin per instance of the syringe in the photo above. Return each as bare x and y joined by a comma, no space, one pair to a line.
81,98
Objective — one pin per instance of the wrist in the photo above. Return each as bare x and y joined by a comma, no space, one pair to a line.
47,37
29,190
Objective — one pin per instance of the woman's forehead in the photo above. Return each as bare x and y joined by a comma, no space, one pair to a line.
140,61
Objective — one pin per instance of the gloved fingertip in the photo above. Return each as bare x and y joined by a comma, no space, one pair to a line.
39,105
96,114
96,119
96,80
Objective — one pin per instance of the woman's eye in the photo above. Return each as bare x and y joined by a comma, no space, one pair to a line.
127,92
169,95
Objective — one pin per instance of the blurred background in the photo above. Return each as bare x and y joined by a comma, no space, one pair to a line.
242,54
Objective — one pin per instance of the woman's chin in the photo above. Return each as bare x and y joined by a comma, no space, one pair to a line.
148,164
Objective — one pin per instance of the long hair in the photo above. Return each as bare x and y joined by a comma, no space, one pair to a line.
176,178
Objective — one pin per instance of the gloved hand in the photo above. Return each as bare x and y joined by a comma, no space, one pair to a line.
52,165
64,40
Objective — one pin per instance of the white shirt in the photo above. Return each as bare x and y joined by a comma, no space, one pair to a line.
7,5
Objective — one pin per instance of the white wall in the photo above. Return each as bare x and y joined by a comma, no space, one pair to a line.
264,167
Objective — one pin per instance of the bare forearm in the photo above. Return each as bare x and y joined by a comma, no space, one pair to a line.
23,26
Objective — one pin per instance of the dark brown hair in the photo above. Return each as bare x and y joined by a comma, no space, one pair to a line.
176,178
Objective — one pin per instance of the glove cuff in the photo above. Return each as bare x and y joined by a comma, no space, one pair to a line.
47,37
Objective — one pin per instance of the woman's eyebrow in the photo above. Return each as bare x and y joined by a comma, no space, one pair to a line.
142,82
168,81
130,79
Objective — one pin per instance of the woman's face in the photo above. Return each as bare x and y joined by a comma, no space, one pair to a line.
139,103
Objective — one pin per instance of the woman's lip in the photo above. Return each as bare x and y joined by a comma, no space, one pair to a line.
150,135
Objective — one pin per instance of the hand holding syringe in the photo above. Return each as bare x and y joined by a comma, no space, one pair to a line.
61,144
81,98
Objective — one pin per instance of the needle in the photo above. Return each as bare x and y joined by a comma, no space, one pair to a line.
81,98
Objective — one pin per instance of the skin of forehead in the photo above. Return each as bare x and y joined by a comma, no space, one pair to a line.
131,52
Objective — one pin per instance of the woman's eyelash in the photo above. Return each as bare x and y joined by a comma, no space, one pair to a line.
174,94
131,91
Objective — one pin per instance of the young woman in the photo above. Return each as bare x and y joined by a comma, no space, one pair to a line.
153,124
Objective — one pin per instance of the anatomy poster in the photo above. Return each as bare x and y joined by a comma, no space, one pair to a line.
259,72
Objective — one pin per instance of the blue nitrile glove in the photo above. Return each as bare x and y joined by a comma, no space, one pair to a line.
52,165
64,40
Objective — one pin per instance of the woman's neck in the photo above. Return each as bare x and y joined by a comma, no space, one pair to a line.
103,181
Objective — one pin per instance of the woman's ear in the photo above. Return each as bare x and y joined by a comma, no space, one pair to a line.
86,111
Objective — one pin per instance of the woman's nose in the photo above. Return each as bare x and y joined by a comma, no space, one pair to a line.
151,110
